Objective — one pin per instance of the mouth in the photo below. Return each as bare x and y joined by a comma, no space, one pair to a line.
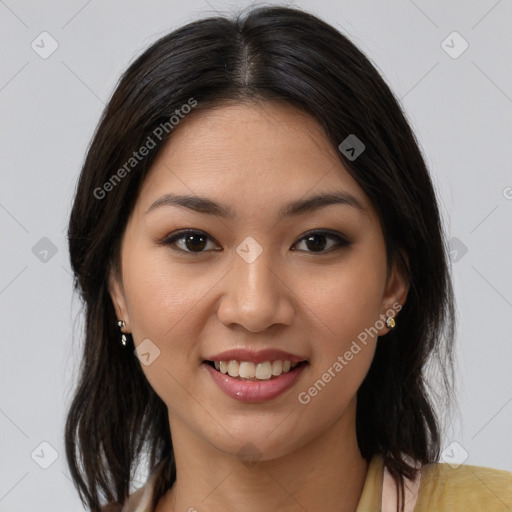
264,377
255,376
251,371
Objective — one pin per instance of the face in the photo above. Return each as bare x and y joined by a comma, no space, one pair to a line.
250,268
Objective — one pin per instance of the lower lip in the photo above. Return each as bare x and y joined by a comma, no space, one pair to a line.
255,390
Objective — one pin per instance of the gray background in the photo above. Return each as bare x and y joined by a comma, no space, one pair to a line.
460,109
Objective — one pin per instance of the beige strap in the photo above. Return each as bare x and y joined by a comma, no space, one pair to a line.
141,500
389,492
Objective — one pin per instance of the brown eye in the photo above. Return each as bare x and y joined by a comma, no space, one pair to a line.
318,242
189,241
195,242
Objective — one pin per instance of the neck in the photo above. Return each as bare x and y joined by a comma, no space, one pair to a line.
327,473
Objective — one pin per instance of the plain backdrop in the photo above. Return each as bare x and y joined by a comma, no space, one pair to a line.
457,98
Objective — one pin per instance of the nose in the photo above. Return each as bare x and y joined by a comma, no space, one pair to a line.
255,296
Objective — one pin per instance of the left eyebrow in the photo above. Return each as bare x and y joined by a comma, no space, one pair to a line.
307,205
312,203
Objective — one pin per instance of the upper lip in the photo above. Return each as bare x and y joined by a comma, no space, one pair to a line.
269,354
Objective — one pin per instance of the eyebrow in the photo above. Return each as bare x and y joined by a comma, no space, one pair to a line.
301,206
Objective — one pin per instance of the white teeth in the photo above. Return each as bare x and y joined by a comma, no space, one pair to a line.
264,370
277,367
233,367
249,370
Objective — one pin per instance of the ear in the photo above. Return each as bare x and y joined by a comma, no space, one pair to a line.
116,290
397,287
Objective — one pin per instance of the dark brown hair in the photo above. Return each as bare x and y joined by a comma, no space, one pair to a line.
271,53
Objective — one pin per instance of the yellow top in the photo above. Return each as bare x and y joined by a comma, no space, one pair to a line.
443,488
439,488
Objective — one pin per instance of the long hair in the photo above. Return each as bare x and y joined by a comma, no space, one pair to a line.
270,53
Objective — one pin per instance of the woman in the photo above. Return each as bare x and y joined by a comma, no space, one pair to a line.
258,245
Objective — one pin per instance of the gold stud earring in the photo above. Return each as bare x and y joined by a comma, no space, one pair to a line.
390,322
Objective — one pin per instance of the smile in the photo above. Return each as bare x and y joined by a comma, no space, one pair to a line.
255,389
249,370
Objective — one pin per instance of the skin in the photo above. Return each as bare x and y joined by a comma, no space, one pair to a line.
255,158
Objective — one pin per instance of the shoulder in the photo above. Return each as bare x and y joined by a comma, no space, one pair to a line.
468,488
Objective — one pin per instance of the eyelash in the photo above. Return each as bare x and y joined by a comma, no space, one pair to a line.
176,237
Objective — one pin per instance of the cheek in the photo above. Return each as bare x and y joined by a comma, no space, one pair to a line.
345,301
158,295
344,306
168,304
344,346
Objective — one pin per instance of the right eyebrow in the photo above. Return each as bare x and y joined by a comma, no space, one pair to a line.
195,203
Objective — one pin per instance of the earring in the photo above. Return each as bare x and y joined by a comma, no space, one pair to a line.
390,322
124,336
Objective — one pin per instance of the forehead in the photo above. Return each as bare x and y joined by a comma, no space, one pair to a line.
239,153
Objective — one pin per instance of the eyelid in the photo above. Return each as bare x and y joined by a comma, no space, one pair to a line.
171,239
342,240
